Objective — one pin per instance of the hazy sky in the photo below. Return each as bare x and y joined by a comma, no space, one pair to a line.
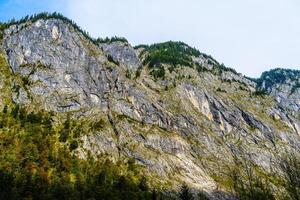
249,35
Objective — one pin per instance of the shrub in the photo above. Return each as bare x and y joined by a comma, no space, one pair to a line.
185,193
242,88
290,166
261,93
128,74
247,184
221,90
138,73
110,40
111,59
98,125
200,68
202,196
73,145
158,72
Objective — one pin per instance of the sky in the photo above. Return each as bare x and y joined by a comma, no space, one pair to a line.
250,36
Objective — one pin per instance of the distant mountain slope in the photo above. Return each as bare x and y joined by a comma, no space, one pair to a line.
178,113
284,85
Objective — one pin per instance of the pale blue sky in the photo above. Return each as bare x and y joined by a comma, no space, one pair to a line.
249,35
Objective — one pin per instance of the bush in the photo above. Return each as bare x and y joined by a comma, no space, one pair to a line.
73,145
98,125
260,93
128,74
247,184
138,73
290,166
111,59
202,196
158,72
221,90
110,40
143,184
200,68
185,193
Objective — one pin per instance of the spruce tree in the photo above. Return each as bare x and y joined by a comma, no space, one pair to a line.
185,193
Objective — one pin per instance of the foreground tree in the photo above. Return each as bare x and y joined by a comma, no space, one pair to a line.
185,193
247,184
290,166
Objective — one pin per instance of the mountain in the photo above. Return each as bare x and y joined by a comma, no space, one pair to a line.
284,85
165,113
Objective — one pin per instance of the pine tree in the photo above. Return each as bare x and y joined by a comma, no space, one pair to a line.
185,193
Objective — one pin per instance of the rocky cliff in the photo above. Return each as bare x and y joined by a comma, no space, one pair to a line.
184,121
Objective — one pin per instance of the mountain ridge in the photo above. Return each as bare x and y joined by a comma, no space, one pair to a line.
56,15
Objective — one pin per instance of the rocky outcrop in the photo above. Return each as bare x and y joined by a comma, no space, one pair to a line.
64,68
123,53
284,85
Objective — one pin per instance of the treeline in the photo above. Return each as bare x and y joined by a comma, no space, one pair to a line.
176,54
173,53
46,15
56,15
37,161
278,76
247,181
110,40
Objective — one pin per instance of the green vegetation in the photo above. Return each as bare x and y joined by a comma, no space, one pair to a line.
35,164
250,186
277,76
111,59
245,181
138,72
290,165
219,68
295,87
200,68
158,72
176,54
38,157
221,90
185,193
45,15
56,15
260,93
39,154
173,53
111,40
1,32
128,74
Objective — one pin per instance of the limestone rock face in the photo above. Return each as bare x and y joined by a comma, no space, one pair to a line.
123,53
175,127
64,69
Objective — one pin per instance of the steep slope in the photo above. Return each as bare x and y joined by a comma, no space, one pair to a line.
176,111
284,85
